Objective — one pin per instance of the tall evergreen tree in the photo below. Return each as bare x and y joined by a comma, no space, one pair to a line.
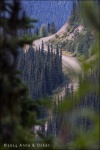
43,30
48,27
36,31
53,28
16,106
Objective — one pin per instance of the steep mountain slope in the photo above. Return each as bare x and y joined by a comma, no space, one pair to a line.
48,11
76,37
38,42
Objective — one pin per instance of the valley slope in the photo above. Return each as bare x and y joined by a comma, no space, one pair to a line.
70,62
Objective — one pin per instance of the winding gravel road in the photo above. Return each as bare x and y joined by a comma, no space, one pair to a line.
70,62
67,61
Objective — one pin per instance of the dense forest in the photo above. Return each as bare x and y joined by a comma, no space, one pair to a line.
40,70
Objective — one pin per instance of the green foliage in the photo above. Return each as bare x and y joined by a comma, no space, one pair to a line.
17,109
75,120
81,110
68,29
53,28
92,14
56,36
81,41
40,70
25,39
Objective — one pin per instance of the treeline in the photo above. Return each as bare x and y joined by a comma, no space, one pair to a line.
41,71
45,30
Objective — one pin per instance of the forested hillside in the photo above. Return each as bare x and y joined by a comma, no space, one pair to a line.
48,11
77,38
40,70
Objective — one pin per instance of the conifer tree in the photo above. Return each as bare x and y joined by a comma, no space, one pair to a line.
53,28
36,31
48,27
13,94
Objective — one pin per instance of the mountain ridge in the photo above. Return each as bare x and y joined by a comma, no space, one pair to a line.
48,11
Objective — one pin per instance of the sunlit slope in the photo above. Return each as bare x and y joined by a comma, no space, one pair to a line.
70,62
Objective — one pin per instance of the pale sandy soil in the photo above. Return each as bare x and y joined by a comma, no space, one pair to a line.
68,61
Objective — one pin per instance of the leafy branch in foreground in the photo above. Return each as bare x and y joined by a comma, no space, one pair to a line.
81,111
